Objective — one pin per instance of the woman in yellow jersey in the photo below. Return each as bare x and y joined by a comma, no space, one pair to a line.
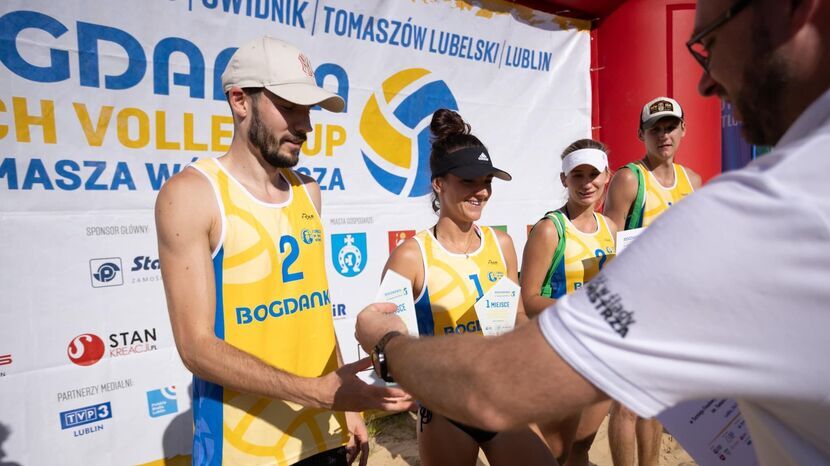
451,265
639,193
564,250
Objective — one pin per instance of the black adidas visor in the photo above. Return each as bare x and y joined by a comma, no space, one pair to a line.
469,163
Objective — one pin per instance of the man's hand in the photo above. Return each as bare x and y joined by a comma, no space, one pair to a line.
375,321
352,394
359,441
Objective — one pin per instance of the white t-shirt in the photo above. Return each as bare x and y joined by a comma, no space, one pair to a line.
726,295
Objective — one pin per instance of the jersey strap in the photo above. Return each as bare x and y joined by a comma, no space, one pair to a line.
635,216
559,222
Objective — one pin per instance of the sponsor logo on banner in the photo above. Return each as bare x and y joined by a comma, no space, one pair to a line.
144,263
162,401
78,393
85,349
348,252
145,269
338,311
132,342
106,272
395,130
396,238
86,415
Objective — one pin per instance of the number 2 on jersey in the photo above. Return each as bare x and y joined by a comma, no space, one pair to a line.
293,254
602,257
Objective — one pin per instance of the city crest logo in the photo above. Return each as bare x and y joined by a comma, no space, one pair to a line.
348,253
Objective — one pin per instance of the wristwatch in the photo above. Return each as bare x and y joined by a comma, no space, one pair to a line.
379,356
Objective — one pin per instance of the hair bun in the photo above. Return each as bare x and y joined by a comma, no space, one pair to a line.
446,123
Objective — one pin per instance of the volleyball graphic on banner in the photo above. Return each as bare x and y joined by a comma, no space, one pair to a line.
394,126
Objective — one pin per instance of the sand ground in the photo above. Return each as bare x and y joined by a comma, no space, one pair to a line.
393,444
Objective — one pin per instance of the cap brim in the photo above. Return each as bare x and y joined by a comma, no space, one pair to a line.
598,166
308,94
657,117
468,172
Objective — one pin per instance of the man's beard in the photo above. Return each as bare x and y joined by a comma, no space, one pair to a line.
761,100
268,146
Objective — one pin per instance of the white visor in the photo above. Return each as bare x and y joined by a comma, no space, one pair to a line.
593,157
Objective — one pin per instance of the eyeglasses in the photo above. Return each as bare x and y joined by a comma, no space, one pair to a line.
695,44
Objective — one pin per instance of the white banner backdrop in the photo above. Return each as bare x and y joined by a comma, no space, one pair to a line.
103,101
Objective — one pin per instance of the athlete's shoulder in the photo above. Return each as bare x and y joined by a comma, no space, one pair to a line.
311,187
625,175
624,184
694,179
409,250
186,200
188,183
612,225
304,179
503,238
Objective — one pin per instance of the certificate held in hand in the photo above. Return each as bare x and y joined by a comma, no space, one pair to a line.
497,309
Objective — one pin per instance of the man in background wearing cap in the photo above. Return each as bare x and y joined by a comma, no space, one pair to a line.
637,195
724,296
241,247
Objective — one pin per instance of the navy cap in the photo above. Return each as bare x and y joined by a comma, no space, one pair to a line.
468,163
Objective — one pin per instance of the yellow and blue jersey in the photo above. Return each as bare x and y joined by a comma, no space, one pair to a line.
584,256
454,282
272,301
658,197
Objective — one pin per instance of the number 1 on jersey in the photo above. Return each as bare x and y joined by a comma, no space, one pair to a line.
474,278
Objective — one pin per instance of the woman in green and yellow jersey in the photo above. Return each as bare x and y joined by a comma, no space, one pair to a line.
564,250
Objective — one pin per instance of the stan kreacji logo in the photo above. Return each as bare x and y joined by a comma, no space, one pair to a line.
85,349
348,253
394,126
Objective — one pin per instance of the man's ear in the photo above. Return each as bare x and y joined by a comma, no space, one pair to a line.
641,134
562,179
240,105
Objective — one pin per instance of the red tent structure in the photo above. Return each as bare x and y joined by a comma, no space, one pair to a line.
639,52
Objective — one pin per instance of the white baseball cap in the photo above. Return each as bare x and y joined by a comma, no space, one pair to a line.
282,69
658,108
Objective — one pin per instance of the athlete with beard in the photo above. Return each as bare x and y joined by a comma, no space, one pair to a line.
639,193
241,243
